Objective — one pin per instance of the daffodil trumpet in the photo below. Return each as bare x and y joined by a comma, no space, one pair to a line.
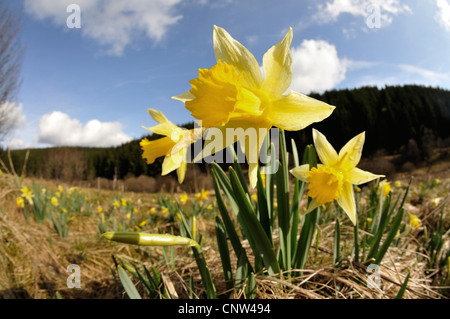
334,178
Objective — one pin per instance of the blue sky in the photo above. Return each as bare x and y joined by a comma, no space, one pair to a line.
92,86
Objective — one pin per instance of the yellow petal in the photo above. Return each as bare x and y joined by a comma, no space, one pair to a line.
167,129
181,172
295,111
357,176
327,154
157,148
350,154
173,161
158,116
301,172
218,138
347,201
183,97
231,51
277,64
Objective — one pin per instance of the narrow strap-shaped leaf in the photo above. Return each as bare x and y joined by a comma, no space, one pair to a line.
337,243
309,224
263,208
128,284
229,226
402,290
224,253
283,205
205,273
262,243
391,235
375,241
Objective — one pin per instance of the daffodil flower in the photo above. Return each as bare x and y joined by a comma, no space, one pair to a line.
234,95
335,177
414,221
173,146
202,196
27,194
20,202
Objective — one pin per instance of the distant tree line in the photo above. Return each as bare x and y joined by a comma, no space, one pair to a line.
392,117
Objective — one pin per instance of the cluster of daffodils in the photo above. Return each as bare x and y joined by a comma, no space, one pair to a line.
234,95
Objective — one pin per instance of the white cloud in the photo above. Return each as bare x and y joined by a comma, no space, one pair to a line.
17,143
316,67
11,117
443,15
331,10
59,129
113,24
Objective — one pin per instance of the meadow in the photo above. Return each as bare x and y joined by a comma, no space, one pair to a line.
48,225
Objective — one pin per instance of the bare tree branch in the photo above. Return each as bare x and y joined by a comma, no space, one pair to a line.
11,54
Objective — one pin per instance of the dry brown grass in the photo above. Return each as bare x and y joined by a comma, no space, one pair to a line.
34,259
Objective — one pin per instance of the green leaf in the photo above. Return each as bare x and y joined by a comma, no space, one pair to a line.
224,252
402,290
337,243
229,226
128,284
391,235
262,243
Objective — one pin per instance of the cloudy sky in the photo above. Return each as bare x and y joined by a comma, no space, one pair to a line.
92,85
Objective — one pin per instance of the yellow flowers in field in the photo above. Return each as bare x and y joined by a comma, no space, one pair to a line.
173,146
27,194
414,221
54,201
202,196
20,202
335,177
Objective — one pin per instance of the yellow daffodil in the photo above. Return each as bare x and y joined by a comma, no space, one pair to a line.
142,224
165,210
398,184
152,210
173,146
436,201
202,196
335,177
183,198
117,203
54,201
124,202
99,209
385,186
60,188
234,95
27,194
58,194
20,202
128,216
414,221
255,197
